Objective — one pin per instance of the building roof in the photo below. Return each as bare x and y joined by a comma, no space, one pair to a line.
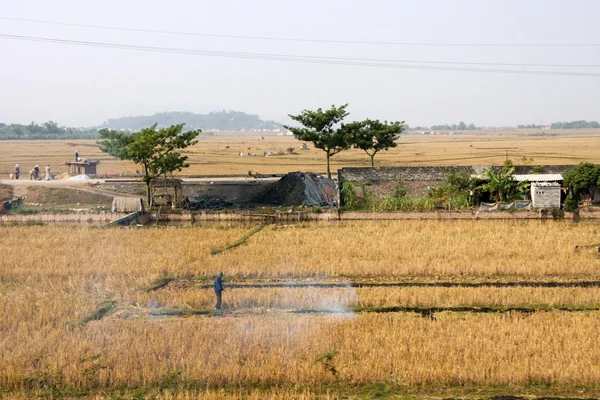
538,177
546,184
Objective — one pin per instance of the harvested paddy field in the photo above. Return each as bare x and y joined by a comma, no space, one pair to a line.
419,308
219,154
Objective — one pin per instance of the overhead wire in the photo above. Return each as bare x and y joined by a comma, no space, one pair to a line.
305,40
291,58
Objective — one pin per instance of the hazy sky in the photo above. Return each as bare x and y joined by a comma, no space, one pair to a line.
82,86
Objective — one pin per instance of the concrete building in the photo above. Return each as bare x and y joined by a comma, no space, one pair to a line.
545,194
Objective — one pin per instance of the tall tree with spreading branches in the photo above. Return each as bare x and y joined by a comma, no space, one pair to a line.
322,129
372,136
155,150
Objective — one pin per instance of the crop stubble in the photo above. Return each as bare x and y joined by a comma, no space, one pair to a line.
47,287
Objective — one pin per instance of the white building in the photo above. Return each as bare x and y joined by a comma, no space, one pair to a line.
545,194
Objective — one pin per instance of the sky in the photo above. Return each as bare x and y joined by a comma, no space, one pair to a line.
85,85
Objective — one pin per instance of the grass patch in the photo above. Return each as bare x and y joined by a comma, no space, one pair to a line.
238,243
105,308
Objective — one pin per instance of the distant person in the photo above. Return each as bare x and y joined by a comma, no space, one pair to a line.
17,171
31,174
76,156
219,289
48,172
36,173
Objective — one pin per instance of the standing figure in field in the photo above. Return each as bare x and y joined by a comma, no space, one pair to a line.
36,172
48,172
76,156
17,171
31,174
219,289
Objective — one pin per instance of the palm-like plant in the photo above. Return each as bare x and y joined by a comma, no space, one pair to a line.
500,184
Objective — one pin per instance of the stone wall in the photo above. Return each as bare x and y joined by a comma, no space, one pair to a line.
430,173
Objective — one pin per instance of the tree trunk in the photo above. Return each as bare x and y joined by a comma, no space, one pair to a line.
148,182
372,160
328,170
148,195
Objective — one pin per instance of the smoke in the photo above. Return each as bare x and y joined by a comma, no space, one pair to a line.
336,301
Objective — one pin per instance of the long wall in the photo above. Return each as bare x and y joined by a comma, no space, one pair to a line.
429,173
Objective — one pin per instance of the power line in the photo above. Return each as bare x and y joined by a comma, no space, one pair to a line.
290,58
288,39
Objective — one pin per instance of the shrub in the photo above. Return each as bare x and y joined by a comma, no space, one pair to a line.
570,203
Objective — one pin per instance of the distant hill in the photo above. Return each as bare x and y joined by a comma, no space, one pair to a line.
213,121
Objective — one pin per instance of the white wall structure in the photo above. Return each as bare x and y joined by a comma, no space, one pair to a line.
545,195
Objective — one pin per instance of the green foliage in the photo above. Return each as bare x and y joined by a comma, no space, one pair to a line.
326,360
582,124
399,191
348,195
571,203
583,178
381,390
456,193
461,126
47,131
499,183
372,136
408,204
530,126
155,150
321,129
92,365
536,170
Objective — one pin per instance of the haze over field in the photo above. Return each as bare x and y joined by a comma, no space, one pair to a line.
86,85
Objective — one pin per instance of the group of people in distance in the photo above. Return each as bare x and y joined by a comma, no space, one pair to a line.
34,173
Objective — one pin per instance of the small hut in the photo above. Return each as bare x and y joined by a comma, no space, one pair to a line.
87,167
545,194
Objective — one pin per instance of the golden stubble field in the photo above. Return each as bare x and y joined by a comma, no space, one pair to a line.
55,282
218,155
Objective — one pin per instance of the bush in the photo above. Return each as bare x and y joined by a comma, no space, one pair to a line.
348,195
399,191
570,203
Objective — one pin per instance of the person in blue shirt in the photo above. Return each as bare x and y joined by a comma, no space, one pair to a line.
219,289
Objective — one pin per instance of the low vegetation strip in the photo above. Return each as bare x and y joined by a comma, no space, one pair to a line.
533,284
104,309
240,242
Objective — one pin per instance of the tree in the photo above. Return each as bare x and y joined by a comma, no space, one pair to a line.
154,150
583,178
319,127
372,136
501,185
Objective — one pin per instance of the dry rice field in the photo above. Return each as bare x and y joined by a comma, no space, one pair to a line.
218,155
354,310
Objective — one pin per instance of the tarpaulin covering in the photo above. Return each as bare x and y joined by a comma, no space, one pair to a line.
515,205
127,204
302,189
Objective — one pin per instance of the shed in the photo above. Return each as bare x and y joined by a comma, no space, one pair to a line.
87,167
545,194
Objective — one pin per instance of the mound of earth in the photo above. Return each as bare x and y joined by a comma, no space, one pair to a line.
65,196
301,189
6,192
